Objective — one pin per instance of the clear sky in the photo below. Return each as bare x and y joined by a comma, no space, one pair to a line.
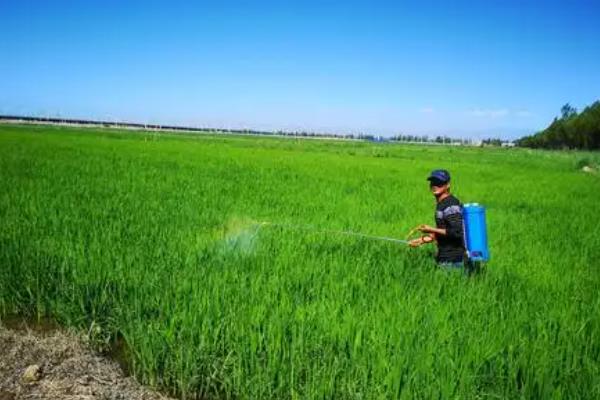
466,69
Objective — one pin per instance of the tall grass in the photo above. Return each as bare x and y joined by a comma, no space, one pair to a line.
152,239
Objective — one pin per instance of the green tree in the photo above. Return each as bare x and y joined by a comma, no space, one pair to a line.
567,111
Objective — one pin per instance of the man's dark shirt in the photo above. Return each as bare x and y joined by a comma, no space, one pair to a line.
448,215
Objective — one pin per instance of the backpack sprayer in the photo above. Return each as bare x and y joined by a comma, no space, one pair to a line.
475,232
474,229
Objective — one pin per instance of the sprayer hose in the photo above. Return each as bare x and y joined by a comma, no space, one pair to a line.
332,231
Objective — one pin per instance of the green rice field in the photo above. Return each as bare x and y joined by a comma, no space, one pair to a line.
153,243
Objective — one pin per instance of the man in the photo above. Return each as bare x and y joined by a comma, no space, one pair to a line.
448,232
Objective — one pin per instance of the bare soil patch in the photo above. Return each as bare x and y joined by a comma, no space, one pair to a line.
56,364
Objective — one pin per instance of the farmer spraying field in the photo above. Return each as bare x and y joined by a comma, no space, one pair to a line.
460,232
448,233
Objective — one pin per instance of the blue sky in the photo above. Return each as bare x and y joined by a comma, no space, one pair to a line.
465,69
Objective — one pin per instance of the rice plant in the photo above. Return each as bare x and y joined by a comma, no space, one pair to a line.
156,241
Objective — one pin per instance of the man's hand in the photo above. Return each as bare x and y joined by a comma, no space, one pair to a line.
420,241
428,238
416,242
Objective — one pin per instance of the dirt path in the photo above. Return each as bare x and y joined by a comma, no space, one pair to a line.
59,365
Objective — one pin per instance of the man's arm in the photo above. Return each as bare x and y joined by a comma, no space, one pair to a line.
453,221
432,230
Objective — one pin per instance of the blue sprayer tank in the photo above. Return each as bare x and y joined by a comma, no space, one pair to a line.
475,231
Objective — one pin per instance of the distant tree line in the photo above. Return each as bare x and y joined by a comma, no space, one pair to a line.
427,139
493,142
571,131
450,140
301,134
